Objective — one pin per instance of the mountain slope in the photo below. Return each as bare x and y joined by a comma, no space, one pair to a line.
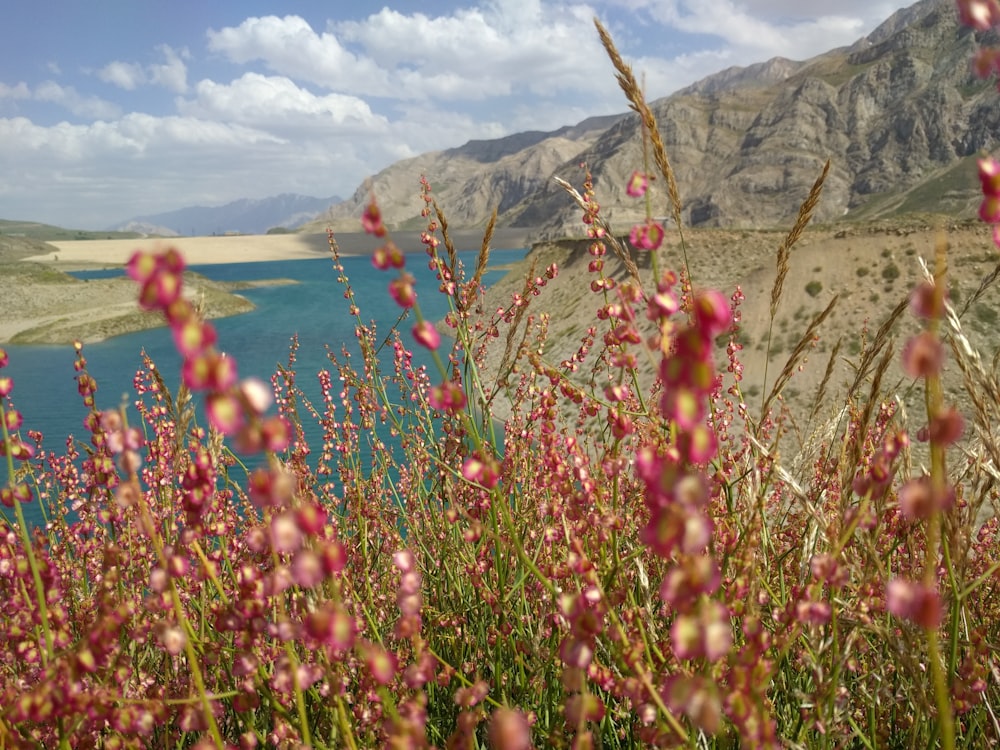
245,216
898,113
896,109
468,181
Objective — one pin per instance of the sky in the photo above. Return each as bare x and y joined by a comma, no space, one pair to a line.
119,108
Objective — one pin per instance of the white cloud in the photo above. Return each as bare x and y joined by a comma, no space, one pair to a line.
90,107
278,102
500,49
171,74
290,46
128,76
20,91
754,30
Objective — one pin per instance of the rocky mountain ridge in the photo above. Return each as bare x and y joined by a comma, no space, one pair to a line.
899,114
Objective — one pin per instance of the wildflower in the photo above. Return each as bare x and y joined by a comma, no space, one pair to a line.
909,600
648,236
923,355
388,256
637,185
509,730
426,335
381,663
981,15
225,412
402,291
193,336
371,220
926,302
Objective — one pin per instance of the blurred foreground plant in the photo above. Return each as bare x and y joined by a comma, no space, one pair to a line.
626,561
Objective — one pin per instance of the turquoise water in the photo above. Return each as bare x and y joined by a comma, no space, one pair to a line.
315,309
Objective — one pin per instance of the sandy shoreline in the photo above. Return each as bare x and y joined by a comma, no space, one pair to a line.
253,248
196,250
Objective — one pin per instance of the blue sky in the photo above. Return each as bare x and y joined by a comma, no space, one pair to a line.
119,108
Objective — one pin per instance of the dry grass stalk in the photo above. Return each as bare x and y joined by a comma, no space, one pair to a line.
484,250
448,244
796,356
821,391
628,84
617,246
507,361
988,281
801,221
873,350
871,402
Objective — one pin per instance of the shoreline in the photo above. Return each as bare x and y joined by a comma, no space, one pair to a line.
44,305
197,251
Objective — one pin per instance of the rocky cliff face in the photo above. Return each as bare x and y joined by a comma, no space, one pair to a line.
899,114
468,181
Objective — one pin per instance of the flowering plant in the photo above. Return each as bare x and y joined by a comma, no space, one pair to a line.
626,561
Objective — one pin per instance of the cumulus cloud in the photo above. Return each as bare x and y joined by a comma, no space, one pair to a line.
18,91
128,76
319,108
90,107
171,73
290,46
499,49
754,30
276,101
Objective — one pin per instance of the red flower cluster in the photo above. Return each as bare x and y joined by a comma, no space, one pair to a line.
233,408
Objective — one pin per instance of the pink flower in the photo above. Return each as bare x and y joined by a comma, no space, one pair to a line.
388,256
989,210
909,600
277,434
923,355
979,14
193,337
426,335
402,291
371,220
711,310
648,236
989,176
637,185
509,729
225,412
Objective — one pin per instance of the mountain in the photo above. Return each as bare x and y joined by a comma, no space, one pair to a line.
468,181
898,113
243,216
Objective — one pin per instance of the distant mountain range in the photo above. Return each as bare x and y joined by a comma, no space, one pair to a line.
245,216
899,114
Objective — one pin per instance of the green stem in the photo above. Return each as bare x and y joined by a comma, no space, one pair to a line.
29,549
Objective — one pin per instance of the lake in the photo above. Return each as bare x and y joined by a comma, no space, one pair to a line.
314,308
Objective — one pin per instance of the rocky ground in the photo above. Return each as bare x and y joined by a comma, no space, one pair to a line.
870,268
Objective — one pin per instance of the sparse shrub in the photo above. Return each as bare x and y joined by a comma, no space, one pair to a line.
890,272
985,314
862,271
813,288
